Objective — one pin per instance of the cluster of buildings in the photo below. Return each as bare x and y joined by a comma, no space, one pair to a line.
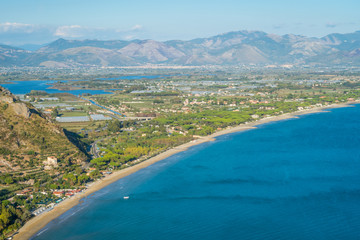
61,194
66,192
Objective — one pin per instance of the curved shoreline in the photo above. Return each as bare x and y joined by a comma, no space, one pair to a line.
39,222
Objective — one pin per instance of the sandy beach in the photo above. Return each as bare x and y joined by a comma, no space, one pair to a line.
37,223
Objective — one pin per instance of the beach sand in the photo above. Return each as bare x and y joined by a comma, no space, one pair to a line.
37,223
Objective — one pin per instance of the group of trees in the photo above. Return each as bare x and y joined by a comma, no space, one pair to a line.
115,126
55,112
12,217
75,179
208,121
147,139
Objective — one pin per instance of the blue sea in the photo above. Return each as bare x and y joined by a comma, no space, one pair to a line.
294,179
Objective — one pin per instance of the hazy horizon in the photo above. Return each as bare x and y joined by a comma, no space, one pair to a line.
40,22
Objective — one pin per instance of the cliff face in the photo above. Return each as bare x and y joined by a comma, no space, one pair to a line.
26,134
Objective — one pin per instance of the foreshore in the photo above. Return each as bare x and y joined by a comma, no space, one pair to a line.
37,223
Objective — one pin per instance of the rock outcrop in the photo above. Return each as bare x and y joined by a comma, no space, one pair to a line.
21,109
7,99
6,96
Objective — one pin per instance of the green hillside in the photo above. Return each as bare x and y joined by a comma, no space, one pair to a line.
27,137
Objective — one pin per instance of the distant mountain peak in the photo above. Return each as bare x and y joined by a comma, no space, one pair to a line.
231,48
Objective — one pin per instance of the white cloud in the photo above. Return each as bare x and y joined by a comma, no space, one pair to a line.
76,32
13,33
137,27
72,31
16,27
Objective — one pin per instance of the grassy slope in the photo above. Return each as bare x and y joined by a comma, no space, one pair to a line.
34,137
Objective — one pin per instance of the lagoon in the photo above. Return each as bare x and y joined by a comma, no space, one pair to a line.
24,87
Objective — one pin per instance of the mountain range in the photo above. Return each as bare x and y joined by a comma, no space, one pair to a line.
233,48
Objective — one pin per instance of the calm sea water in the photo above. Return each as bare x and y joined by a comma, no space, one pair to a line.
294,179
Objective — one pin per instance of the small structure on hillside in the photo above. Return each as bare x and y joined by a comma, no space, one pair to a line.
50,163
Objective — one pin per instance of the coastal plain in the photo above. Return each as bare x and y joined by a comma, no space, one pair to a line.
120,122
36,224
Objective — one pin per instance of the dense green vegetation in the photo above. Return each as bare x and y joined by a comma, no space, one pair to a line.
147,140
12,216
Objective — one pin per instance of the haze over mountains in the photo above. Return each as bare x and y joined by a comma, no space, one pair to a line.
233,48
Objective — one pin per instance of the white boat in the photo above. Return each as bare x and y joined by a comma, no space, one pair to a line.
126,197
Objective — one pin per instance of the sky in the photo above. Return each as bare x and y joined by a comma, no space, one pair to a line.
42,21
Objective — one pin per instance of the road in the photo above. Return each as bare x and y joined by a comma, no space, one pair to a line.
94,151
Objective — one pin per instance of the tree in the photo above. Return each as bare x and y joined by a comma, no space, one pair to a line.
37,186
71,178
5,106
9,180
115,126
83,179
79,170
55,112
5,216
53,186
95,174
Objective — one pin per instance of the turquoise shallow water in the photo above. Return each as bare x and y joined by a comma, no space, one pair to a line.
293,179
